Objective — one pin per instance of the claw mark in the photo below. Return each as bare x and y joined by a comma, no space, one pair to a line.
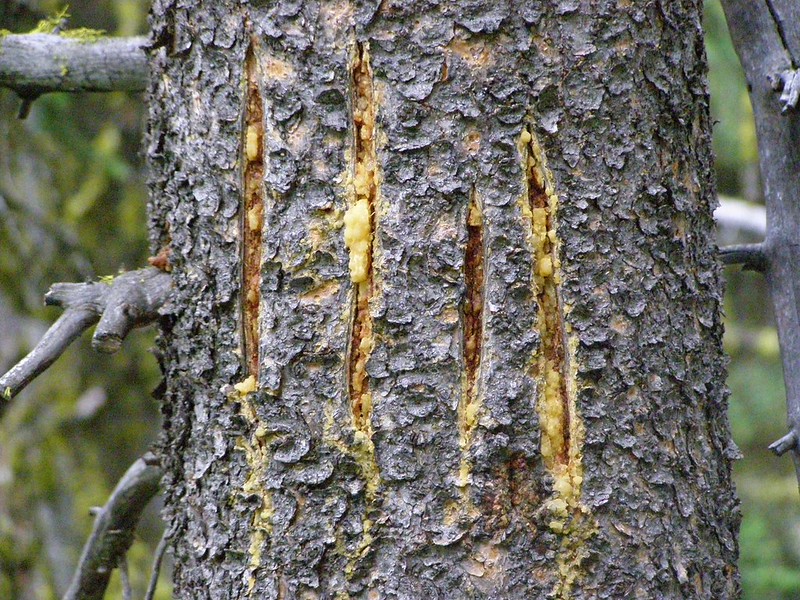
360,221
255,446
556,406
359,228
252,214
562,429
473,332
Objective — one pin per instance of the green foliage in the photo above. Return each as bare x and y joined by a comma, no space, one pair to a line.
766,574
83,34
56,23
50,24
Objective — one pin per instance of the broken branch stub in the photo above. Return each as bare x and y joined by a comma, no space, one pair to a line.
130,300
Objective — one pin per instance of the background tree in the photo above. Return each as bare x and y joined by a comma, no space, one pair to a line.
464,229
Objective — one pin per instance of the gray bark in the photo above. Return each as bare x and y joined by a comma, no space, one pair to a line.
446,487
35,63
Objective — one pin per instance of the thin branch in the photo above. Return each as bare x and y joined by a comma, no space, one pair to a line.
34,64
739,215
67,328
127,591
790,89
130,300
113,531
783,445
157,559
751,256
787,443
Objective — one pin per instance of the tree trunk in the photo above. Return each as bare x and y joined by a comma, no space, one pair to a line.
446,320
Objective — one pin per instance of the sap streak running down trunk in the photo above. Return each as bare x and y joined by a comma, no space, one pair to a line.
488,335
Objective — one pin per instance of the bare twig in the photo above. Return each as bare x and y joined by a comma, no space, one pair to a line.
130,300
113,531
738,215
790,89
157,559
127,591
33,64
783,445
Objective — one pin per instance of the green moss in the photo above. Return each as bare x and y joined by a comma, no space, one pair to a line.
83,34
80,34
50,24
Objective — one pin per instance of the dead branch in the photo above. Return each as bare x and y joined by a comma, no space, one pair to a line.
32,64
129,300
113,530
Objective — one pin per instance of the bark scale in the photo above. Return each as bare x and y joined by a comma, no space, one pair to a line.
490,345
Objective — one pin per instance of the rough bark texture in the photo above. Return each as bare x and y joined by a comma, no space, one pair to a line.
581,449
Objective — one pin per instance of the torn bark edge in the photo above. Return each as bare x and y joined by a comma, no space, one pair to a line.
113,530
752,257
132,299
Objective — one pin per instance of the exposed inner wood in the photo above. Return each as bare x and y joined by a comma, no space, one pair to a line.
473,327
257,453
252,214
359,231
161,260
561,427
551,363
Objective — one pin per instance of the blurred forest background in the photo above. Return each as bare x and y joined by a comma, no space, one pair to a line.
72,208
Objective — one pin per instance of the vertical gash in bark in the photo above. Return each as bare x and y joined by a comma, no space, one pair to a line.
359,221
252,214
473,331
561,428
